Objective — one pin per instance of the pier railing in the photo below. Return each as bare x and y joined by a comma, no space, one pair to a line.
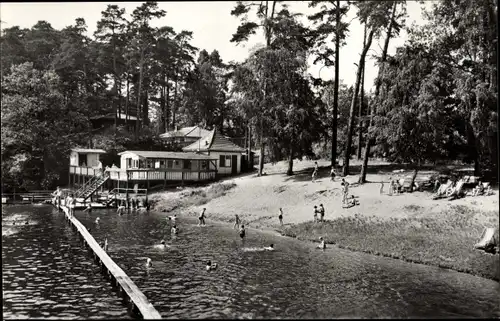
27,197
135,299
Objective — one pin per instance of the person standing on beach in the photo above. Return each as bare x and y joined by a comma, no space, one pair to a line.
315,213
332,174
236,221
315,172
242,232
321,213
280,217
201,218
345,190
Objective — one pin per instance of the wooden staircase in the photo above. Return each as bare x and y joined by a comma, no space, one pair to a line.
91,186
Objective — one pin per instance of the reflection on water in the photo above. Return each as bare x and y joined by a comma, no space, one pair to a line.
46,272
294,281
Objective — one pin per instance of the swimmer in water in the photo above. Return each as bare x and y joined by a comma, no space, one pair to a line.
149,264
242,232
322,245
105,248
269,248
175,230
97,220
211,266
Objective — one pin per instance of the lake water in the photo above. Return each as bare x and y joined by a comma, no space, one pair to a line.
294,281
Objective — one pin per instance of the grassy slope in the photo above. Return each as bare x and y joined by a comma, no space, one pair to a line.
445,240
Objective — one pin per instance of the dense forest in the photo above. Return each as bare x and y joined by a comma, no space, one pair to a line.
434,100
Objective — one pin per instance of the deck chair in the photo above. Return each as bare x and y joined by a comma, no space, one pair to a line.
456,192
442,190
487,241
486,190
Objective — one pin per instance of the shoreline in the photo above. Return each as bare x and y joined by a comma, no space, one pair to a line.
276,232
411,227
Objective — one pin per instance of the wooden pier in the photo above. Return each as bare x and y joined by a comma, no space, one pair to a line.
135,300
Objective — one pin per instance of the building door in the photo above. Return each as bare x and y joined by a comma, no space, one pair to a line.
234,164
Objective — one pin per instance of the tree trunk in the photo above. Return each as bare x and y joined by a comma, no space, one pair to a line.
115,90
289,172
261,156
174,107
414,176
336,89
161,123
127,103
362,96
370,140
137,123
250,158
347,152
473,153
145,108
167,103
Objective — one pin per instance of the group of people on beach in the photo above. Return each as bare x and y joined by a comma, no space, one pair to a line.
346,200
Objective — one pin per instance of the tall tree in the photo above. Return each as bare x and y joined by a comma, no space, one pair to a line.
331,11
265,13
375,15
143,39
110,30
37,130
394,26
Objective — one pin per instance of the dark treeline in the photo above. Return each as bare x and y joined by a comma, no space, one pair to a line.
434,100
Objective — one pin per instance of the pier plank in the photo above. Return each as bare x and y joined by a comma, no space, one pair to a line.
146,309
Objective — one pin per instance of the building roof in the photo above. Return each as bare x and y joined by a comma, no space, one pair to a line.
214,142
88,150
119,115
169,155
193,131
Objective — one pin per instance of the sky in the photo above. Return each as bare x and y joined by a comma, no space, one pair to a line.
212,26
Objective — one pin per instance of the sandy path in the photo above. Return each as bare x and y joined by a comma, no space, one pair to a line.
257,199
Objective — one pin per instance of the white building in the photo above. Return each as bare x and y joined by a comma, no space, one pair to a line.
227,153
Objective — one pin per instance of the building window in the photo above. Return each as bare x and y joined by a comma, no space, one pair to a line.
187,164
225,161
82,158
176,163
204,164
170,163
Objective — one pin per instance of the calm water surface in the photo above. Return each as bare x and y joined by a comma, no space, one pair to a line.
46,273
295,281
